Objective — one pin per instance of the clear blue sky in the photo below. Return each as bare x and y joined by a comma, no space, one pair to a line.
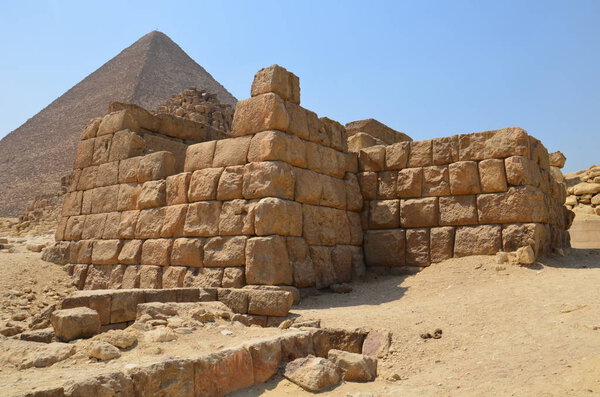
427,68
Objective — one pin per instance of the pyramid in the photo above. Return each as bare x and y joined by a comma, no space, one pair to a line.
36,155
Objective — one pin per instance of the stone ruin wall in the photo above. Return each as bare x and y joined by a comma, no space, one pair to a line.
158,201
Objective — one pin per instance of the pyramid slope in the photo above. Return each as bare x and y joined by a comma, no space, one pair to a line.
34,156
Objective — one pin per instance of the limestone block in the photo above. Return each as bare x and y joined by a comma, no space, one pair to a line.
126,144
301,262
177,188
117,121
419,212
203,184
368,185
387,182
91,128
268,179
269,303
101,149
384,214
128,169
477,240
106,252
441,243
81,252
492,176
74,180
128,196
518,204
93,227
111,225
279,81
277,145
156,252
586,188
360,140
237,217
225,251
354,198
410,182
234,299
149,223
124,304
174,220
153,194
87,178
372,158
333,193
314,127
221,373
203,277
308,187
202,219
512,141
464,177
355,367
230,183
84,154
199,156
72,204
385,248
234,277
333,163
267,261
260,113
115,280
420,154
76,323
313,374
342,259
519,171
396,155
188,252
108,174
471,147
445,150
323,265
105,199
516,236
337,133
417,247
131,252
298,117
232,151
355,226
436,181
557,159
458,210
74,227
320,224
277,216
128,223
97,277
157,165
131,277
172,276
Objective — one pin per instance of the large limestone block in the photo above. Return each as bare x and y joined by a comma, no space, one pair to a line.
277,145
156,252
355,367
492,176
230,183
203,277
151,276
203,184
157,165
105,199
277,216
471,147
342,258
72,204
131,276
267,261
202,219
174,220
172,276
368,184
420,154
234,277
235,299
477,240
260,113
410,182
337,133
519,171
266,357
269,303
268,179
199,156
97,277
108,174
128,196
557,159
116,121
149,223
81,252
313,373
101,149
128,223
326,160
111,226
131,252
76,323
445,150
538,153
177,188
333,192
387,183
299,120
458,210
518,204
223,372
225,251
322,225
91,128
124,304
525,234
419,212
126,144
354,198
417,247
586,188
277,80
385,248
436,181
232,151
106,252
372,158
87,178
301,262
84,154
166,378
361,140
237,217
308,187
93,226
128,169
153,194
464,177
323,264
512,141
384,214
376,129
441,243
188,252
396,155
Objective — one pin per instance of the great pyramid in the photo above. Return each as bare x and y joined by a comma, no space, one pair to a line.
35,156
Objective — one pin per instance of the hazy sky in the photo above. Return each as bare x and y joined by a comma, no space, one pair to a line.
427,68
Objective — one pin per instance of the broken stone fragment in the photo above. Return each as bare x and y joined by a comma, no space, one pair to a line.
313,373
355,367
103,351
80,322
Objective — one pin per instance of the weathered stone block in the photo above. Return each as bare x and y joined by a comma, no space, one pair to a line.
277,145
420,154
354,198
492,176
177,187
237,217
410,182
153,194
458,210
259,113
199,156
277,216
174,220
232,151
372,158
76,323
269,303
333,192
235,299
519,171
385,248
524,234
126,144
203,277
234,277
512,141
267,261
124,303
172,277
108,174
150,276
101,149
308,188
477,240
225,251
342,258
156,252
441,243
87,178
97,277
105,199
419,212
157,165
128,169
128,196
188,252
72,204
471,147
301,262
127,224
436,181
299,120
396,155
84,154
384,214
230,183
445,150
117,121
387,182
202,219
221,373
268,179
149,223
277,80
517,205
131,252
323,265
417,247
321,224
111,226
93,226
203,184
464,177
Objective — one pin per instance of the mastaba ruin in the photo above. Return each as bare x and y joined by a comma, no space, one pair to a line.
286,198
